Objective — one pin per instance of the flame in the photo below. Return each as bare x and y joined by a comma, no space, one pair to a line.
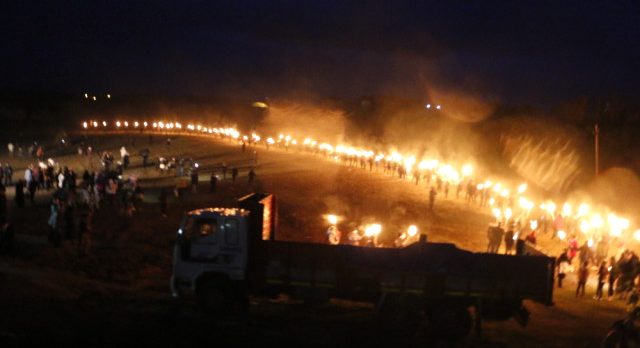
522,188
467,170
562,235
332,219
412,230
372,230
586,220
585,226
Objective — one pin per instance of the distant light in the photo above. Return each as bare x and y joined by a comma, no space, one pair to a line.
94,98
117,123
86,96
428,106
84,125
412,231
108,96
197,165
145,123
126,124
438,107
260,105
104,123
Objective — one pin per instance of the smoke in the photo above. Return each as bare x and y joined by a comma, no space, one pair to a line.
544,153
616,188
324,123
462,106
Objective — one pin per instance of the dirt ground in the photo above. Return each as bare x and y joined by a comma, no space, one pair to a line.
119,293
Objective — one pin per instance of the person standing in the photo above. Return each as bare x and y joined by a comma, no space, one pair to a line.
194,180
8,174
563,267
432,197
498,235
508,240
54,236
234,174
602,276
583,275
613,274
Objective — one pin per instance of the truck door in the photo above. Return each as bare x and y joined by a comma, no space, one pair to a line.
231,250
204,245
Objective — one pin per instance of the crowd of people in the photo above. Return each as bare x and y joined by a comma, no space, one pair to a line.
74,201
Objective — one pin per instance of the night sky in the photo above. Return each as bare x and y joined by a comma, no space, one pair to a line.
516,51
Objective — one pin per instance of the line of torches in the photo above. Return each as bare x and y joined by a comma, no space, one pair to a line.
507,206
367,235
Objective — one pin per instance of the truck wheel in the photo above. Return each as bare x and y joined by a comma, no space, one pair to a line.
450,322
214,297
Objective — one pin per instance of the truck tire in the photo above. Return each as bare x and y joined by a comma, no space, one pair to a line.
214,296
452,322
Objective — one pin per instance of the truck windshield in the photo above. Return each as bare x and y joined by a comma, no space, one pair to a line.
201,231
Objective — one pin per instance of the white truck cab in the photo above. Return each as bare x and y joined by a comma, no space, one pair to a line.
211,241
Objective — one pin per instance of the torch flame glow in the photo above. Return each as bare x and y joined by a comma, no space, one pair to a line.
372,230
562,235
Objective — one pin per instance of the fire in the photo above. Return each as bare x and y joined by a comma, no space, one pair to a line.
522,188
591,221
562,235
412,231
467,170
508,213
583,209
372,230
585,226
